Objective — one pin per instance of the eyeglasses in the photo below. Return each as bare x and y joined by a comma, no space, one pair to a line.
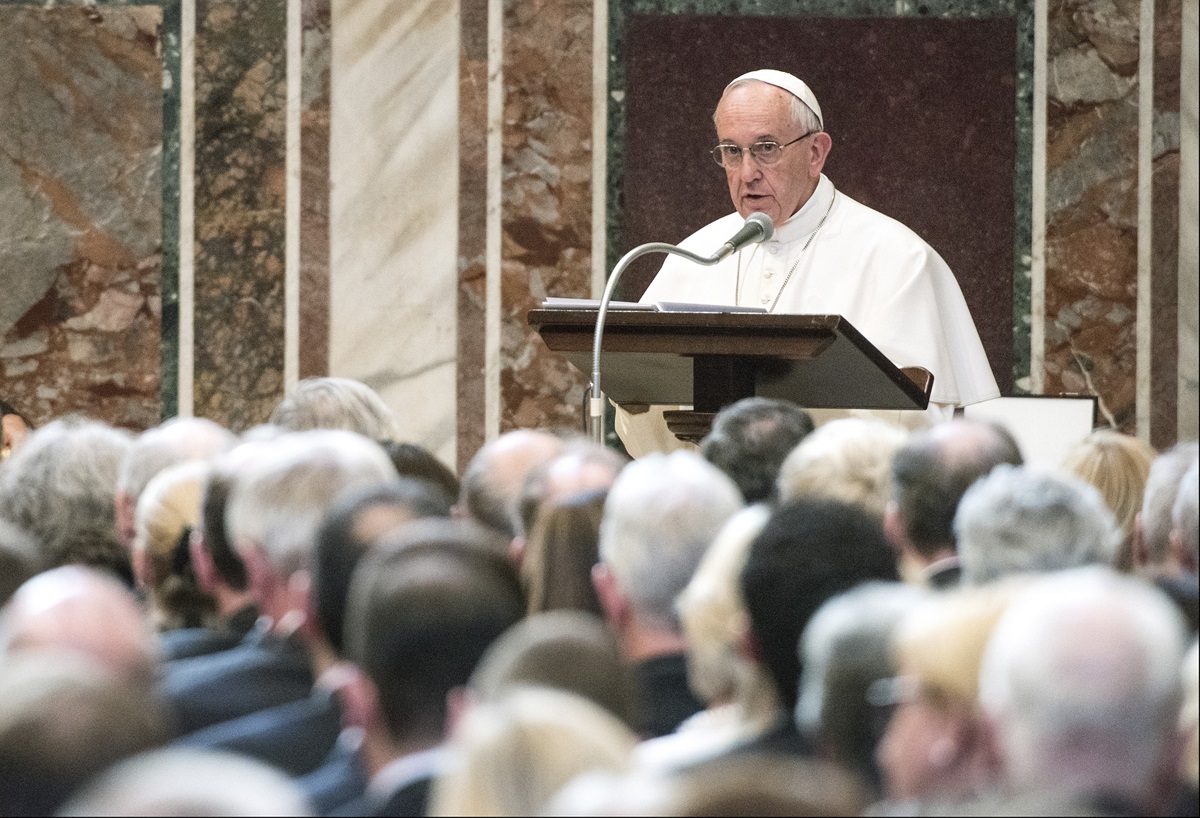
766,152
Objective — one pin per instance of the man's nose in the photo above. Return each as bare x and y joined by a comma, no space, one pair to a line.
749,169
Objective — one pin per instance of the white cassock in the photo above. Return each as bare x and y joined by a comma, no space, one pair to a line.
867,267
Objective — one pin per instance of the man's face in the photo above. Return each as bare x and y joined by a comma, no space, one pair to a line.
757,112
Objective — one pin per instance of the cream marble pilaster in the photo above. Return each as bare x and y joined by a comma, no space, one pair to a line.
1189,217
393,232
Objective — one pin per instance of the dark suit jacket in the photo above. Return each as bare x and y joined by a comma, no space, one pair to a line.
339,783
186,643
665,699
262,672
296,737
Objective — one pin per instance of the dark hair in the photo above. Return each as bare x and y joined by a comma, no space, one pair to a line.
932,472
560,553
750,440
340,544
423,609
216,536
414,460
809,551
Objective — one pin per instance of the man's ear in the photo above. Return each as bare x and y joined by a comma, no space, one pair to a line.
460,701
1141,554
202,562
822,144
612,599
358,696
300,604
125,508
1182,556
893,526
264,581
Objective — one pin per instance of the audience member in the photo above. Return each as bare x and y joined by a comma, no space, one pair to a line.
181,782
20,559
492,483
82,611
1117,465
1189,720
298,737
847,459
1019,520
583,467
14,428
510,757
414,460
750,440
845,649
929,475
219,570
59,486
809,551
1153,554
63,719
935,753
336,403
1081,684
661,516
740,698
176,441
557,562
423,611
167,512
1185,521
565,650
273,512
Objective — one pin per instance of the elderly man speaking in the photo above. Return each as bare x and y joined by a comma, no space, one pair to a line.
829,254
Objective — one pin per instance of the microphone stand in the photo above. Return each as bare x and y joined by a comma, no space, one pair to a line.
596,404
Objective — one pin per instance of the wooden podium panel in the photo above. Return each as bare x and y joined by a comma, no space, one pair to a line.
713,359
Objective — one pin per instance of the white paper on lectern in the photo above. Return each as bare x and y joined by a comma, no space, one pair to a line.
1046,428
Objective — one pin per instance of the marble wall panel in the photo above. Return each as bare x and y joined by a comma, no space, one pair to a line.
393,217
81,211
1091,204
472,227
1188,300
240,200
546,220
316,48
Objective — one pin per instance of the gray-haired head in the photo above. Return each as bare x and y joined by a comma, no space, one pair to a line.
1081,680
1185,517
336,403
845,648
59,486
278,502
186,781
750,440
1158,501
1020,520
662,514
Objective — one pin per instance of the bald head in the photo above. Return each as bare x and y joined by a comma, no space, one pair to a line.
491,486
80,611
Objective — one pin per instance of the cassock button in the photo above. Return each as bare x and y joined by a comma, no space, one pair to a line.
765,299
772,249
768,274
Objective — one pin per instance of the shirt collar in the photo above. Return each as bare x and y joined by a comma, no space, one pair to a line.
805,220
399,773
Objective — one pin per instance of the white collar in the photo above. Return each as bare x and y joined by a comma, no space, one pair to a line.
400,772
805,220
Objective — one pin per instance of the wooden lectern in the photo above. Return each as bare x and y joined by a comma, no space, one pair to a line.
713,359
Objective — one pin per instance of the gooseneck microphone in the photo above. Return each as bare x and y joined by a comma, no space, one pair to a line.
758,227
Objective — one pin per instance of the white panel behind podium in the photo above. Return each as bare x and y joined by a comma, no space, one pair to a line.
1046,427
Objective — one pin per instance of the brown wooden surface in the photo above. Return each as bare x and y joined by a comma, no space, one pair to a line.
710,360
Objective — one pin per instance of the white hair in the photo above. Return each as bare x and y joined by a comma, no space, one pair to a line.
1081,679
176,441
1158,501
184,781
849,459
1185,516
1020,520
661,515
281,499
337,403
848,641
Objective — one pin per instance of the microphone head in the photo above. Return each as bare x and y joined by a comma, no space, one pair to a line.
764,223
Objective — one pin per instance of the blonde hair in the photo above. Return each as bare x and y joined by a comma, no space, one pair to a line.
1117,465
167,510
713,613
940,645
510,757
848,459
